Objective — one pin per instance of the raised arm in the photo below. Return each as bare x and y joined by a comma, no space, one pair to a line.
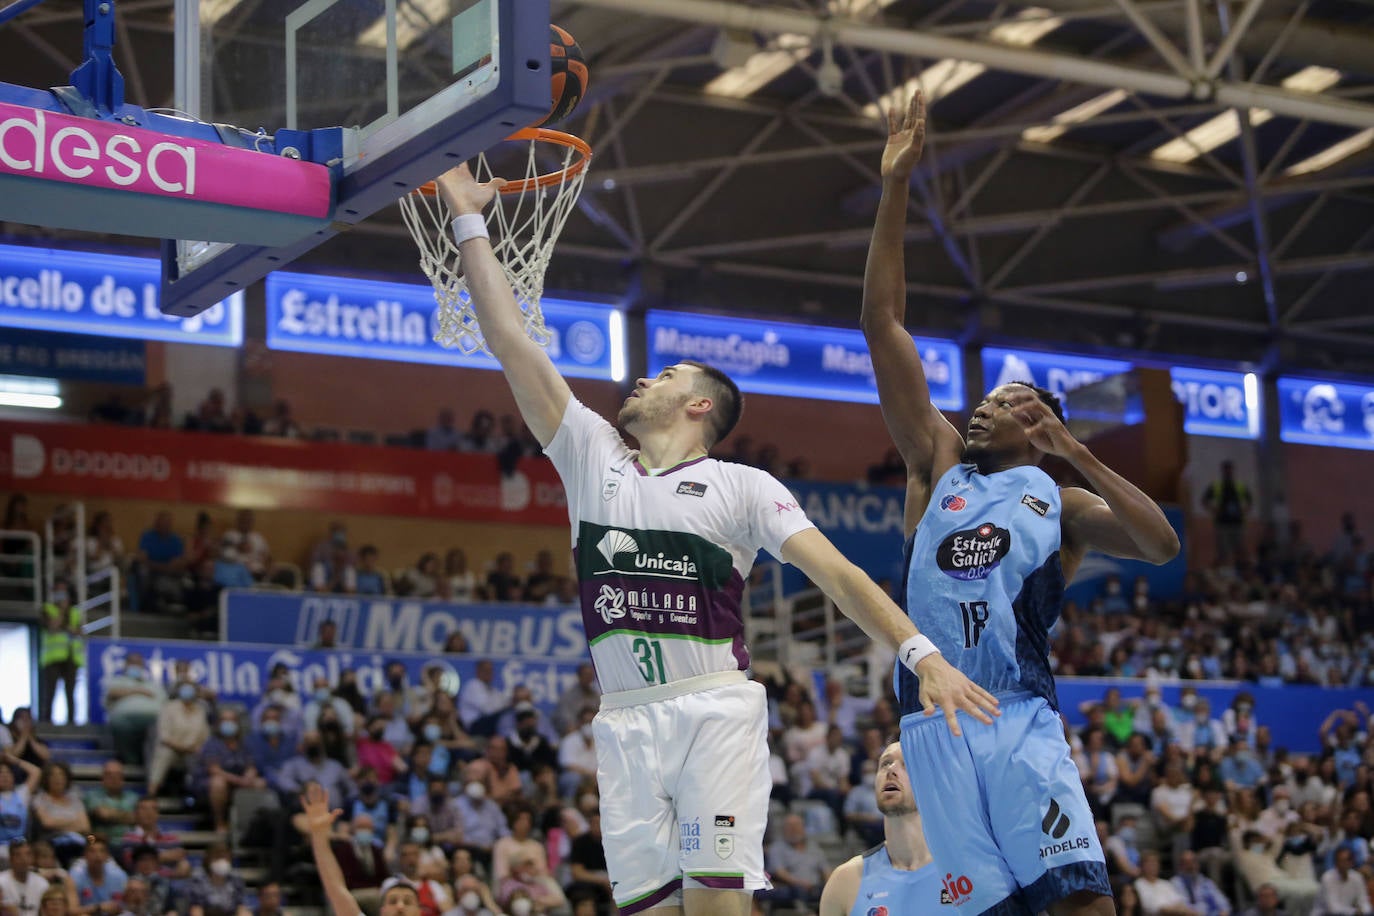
319,822
540,391
863,602
927,442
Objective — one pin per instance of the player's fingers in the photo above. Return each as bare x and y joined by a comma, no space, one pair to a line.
918,107
952,719
973,708
892,126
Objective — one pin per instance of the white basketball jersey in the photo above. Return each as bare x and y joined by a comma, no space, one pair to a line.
662,559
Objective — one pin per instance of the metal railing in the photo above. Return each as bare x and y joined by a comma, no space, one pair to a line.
22,572
76,555
108,599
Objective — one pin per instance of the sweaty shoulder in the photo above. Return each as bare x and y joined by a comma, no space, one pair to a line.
840,892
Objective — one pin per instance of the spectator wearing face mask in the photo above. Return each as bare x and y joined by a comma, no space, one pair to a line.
360,857
472,898
377,754
483,822
311,765
223,766
132,702
371,802
182,728
323,698
270,746
1200,733
445,815
215,890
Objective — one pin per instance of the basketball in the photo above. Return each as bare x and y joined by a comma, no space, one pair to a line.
569,81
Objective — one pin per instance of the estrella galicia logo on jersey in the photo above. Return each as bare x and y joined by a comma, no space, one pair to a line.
952,503
691,488
725,820
610,604
1038,506
974,552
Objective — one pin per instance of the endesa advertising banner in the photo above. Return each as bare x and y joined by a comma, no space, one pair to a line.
238,672
794,360
386,624
275,474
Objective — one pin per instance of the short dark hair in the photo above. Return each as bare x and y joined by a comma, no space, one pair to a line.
726,402
1047,397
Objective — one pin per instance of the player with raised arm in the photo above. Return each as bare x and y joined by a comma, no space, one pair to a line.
664,538
399,896
991,542
895,877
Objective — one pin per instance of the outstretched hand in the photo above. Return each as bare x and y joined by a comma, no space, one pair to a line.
1043,428
319,817
946,687
905,138
465,194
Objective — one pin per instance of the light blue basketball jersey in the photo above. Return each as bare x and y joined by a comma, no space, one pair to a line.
888,891
984,582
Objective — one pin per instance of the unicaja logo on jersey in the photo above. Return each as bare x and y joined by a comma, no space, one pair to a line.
610,604
974,552
616,542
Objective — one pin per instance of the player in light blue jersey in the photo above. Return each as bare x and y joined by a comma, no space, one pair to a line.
896,877
991,541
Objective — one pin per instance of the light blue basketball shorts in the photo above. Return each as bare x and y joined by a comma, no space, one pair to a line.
1003,809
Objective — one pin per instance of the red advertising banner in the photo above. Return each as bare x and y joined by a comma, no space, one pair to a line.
132,463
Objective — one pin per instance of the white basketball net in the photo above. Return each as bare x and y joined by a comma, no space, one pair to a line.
524,226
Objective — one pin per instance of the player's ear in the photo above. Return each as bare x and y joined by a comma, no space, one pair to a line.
699,406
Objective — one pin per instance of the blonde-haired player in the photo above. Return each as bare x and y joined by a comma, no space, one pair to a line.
895,877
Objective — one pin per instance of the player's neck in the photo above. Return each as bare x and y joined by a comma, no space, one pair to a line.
667,448
906,842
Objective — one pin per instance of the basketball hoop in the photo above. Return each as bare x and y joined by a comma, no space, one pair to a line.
524,221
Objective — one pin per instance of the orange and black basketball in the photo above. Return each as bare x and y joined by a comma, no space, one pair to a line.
569,83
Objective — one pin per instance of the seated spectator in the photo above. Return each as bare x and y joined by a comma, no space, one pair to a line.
201,598
15,799
1344,891
1171,804
480,701
542,581
499,776
322,698
827,772
270,746
269,900
21,888
371,802
798,869
214,890
1135,768
397,732
56,902
840,708
567,714
182,729
104,549
481,435
472,898
587,864
155,577
444,813
861,813
1238,768
1209,833
137,899
147,832
803,736
519,842
338,745
132,703
462,581
408,867
503,582
99,882
1256,860
1201,734
483,822
525,880
577,756
210,415
46,864
1119,850
281,423
157,879
443,436
59,816
1197,890
311,765
376,754
369,577
251,546
333,571
1097,768
360,857
110,806
224,765
1158,897
422,580
528,746
1267,903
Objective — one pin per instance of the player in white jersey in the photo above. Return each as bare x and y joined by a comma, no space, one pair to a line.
664,538
896,877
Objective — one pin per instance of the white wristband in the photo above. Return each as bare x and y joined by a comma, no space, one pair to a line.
469,226
914,650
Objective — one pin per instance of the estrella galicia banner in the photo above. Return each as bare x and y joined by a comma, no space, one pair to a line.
81,292
238,672
794,360
375,319
1059,372
1224,404
79,357
1322,412
385,624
